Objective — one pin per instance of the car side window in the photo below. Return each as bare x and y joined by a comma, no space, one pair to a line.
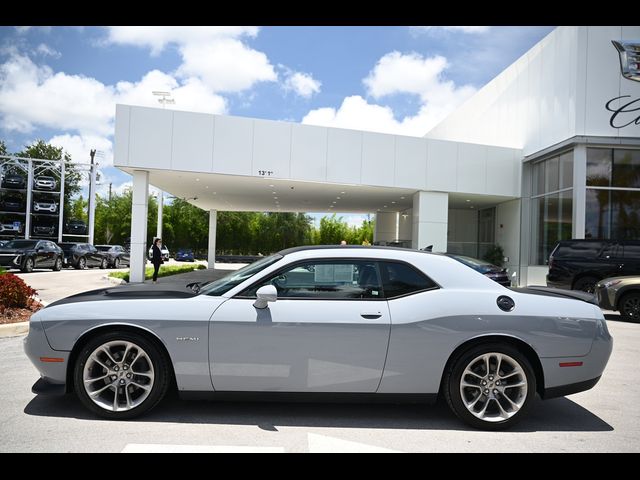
329,280
399,279
632,251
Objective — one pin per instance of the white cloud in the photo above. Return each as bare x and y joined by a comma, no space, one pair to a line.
396,73
79,146
302,84
34,96
467,29
404,73
46,51
215,55
157,38
226,65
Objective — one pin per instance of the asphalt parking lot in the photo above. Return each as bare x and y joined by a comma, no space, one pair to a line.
604,419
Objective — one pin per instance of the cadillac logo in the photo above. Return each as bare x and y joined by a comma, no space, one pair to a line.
629,59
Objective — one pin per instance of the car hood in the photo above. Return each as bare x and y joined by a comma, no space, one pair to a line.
627,279
128,292
13,251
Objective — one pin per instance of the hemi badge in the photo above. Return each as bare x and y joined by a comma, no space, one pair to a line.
51,359
570,364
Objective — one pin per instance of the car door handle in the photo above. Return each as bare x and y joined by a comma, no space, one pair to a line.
371,315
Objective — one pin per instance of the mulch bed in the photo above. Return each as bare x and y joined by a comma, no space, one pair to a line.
16,315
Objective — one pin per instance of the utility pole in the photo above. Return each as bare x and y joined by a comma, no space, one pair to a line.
110,184
92,206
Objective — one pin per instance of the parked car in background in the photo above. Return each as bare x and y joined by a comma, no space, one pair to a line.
44,226
82,255
12,180
495,273
45,206
12,203
117,256
185,255
368,321
76,227
164,251
43,182
15,227
29,254
621,294
580,264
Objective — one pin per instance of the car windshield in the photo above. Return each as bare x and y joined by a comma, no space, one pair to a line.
224,284
20,244
476,264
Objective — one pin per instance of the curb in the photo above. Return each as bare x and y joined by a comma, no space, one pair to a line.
14,329
115,281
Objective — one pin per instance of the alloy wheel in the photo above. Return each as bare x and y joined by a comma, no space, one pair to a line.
118,376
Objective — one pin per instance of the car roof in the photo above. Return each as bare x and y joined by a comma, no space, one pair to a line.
303,248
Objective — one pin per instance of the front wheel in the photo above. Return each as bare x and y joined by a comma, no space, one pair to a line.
57,266
630,306
103,263
490,386
28,265
586,284
121,375
82,263
116,263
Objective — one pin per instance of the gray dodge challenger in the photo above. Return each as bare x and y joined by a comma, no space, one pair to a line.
346,323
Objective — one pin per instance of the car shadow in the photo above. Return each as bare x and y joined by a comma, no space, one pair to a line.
561,415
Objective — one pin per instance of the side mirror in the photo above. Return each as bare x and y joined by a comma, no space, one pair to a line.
195,286
265,294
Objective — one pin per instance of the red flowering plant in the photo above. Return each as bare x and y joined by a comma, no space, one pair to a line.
14,292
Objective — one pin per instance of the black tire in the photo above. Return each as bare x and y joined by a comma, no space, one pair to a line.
28,265
116,263
57,265
629,306
453,377
82,263
161,366
586,284
103,263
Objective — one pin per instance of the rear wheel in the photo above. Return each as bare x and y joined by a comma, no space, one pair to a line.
120,375
490,386
82,263
103,263
57,265
116,263
586,284
28,265
630,306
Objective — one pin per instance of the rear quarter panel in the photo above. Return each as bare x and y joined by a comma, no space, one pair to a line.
427,327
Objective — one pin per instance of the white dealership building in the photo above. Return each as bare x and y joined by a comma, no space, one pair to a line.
548,150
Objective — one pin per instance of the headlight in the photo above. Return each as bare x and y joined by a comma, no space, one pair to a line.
611,283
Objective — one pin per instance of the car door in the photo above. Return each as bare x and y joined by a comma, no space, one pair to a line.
95,255
123,255
328,331
50,254
611,258
631,258
41,254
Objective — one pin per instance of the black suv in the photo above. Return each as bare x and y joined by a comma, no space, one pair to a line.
12,180
580,264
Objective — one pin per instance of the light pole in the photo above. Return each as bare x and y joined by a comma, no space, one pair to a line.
164,97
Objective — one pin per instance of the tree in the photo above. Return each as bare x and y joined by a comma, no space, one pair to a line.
3,148
45,151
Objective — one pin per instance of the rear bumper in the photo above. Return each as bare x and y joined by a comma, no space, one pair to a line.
558,283
570,389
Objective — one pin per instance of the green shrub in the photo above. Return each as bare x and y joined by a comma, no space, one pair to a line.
495,255
164,271
14,292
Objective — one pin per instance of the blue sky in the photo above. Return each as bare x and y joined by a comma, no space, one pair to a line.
61,83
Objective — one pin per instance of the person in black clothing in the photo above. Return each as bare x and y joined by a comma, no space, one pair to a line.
156,258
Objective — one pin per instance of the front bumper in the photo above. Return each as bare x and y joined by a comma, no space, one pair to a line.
52,364
604,299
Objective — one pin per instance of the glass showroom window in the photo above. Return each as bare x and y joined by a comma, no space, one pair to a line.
613,194
552,205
